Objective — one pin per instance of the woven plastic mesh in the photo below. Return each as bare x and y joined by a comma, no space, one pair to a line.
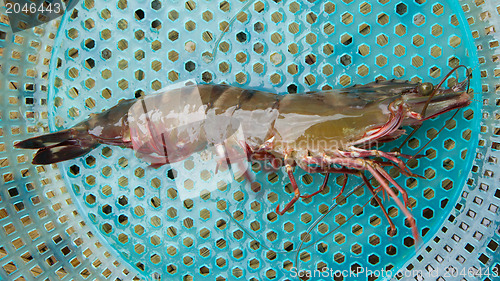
109,214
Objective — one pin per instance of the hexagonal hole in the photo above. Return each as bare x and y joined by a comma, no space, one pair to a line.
363,70
189,66
418,40
417,61
123,219
107,228
310,59
428,213
241,37
382,40
156,24
289,227
276,17
347,18
437,9
436,51
414,143
346,39
258,27
106,54
365,8
122,24
311,38
328,70
90,199
382,19
398,71
363,50
206,77
190,25
310,79
430,173
419,19
400,29
322,247
107,209
375,220
399,50
364,29
381,60
435,72
357,229
345,60
237,253
454,41
329,7
173,75
356,249
89,43
123,200
436,30
155,240
374,240
401,9
173,35
429,193
328,49
408,242
345,80
139,14
339,238
339,258
391,250
156,5
328,28
448,164
275,78
89,24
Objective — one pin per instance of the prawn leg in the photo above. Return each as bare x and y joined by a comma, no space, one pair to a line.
325,181
379,202
289,171
322,187
376,172
380,175
391,156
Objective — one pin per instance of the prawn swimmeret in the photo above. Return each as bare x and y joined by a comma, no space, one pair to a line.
321,132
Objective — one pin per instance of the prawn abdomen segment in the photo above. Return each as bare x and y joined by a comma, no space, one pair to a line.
167,125
179,122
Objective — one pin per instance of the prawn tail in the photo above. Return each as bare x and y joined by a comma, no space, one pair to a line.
59,146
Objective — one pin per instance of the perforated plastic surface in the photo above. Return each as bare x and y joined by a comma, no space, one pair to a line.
148,222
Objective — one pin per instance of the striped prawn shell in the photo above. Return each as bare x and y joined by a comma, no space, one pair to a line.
171,125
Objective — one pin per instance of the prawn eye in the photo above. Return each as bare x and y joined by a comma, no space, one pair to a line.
425,89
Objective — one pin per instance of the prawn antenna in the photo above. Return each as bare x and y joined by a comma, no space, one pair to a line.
308,233
322,217
435,136
309,230
211,57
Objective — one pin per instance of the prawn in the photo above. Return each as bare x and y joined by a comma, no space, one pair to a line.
321,132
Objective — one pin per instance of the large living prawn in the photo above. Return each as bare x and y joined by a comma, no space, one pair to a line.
321,132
